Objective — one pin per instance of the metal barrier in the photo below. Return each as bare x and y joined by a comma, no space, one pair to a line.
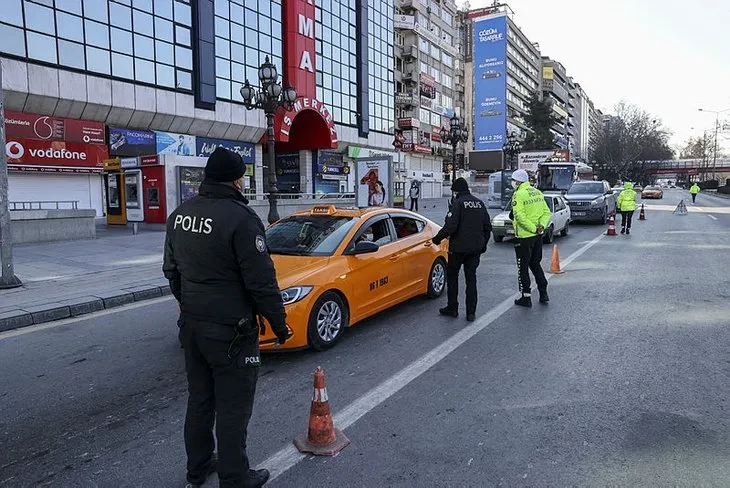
301,196
45,205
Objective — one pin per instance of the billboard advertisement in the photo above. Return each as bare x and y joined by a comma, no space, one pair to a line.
124,142
45,128
373,180
490,83
177,144
288,174
55,153
204,147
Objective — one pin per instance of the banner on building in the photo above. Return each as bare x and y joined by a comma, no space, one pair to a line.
46,128
125,142
55,153
204,147
177,144
490,87
404,21
288,174
373,182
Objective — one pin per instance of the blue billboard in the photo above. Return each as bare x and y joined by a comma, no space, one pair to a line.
490,83
204,147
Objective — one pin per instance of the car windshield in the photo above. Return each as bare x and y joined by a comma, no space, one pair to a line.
308,235
549,201
651,188
586,188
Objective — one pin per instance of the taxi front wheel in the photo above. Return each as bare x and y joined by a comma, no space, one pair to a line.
328,319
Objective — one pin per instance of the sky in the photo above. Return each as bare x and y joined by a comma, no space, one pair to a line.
669,57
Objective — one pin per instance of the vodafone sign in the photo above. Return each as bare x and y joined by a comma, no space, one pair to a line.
55,153
46,128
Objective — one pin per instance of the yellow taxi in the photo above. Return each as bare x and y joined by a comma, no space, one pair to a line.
336,267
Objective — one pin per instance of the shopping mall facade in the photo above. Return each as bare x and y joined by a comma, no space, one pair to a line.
117,103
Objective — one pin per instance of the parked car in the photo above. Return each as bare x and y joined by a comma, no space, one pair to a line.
591,201
559,221
652,192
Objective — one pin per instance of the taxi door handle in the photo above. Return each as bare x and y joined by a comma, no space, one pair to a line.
428,243
395,257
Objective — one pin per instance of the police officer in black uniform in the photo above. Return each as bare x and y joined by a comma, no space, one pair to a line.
468,228
219,269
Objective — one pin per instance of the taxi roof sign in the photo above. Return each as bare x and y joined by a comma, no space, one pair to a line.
323,210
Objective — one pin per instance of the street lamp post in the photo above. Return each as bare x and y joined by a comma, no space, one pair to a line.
511,149
454,135
269,96
717,125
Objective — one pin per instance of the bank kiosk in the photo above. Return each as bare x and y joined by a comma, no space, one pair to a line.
135,190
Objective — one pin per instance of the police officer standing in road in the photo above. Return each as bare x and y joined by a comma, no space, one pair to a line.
219,269
530,214
468,228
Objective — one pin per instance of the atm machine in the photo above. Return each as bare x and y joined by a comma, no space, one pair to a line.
134,195
116,211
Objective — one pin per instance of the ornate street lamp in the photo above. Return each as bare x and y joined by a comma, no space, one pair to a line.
269,96
511,149
454,135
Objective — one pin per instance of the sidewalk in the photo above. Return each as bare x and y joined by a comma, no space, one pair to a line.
68,279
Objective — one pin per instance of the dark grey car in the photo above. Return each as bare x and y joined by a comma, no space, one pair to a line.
591,201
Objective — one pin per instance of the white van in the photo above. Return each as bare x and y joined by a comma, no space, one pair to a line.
494,190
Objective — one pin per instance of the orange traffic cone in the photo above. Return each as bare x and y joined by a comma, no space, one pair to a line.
322,439
555,264
642,215
611,226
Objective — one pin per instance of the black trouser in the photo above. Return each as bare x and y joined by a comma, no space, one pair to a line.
626,219
694,197
529,254
414,201
221,390
470,261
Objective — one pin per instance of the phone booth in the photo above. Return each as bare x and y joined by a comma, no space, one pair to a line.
116,210
133,195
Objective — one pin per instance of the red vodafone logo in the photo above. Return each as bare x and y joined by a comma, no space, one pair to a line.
14,150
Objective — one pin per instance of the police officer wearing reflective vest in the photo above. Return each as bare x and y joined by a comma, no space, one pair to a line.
468,228
219,269
530,215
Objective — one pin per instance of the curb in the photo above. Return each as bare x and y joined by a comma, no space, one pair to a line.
75,307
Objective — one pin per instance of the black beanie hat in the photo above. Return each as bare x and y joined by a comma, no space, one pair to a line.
224,166
460,184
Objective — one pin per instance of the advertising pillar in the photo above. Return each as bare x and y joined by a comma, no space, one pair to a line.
490,83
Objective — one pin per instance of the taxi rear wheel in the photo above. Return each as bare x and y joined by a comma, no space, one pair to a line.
437,279
328,319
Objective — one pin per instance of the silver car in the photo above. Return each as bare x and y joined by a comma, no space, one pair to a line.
559,221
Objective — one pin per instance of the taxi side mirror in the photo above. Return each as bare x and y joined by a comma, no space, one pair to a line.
363,247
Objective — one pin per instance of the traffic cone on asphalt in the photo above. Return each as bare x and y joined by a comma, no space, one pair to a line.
322,439
555,264
642,215
611,226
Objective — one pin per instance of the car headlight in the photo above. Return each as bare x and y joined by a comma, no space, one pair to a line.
498,223
294,294
595,202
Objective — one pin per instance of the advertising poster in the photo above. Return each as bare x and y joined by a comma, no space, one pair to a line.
177,144
46,128
490,83
190,179
328,169
287,173
124,142
373,182
55,153
204,147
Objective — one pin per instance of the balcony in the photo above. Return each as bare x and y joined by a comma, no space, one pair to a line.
409,4
410,52
410,77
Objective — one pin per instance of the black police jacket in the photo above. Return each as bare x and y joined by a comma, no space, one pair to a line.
217,261
467,226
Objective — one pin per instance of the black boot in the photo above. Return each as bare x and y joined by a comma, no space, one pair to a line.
544,298
449,312
470,317
628,231
256,478
197,481
525,301
623,231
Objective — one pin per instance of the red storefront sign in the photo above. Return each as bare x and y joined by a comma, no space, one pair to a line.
55,153
46,128
152,160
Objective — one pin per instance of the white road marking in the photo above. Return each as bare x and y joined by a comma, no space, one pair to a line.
81,318
289,456
712,217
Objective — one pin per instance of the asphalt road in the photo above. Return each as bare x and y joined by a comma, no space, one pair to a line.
623,380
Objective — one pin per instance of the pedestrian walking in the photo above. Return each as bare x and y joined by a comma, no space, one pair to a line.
694,190
219,269
530,214
415,194
468,228
626,203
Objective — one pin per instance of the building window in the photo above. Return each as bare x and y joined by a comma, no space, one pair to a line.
380,54
125,39
245,33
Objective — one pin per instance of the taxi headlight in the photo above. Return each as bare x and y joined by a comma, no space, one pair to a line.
294,294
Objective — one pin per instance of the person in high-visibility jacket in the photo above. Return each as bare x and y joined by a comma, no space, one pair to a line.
626,203
530,215
694,190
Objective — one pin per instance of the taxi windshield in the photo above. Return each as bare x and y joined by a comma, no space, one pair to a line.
308,235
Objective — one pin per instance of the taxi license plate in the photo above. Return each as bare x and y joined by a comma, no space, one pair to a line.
580,214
